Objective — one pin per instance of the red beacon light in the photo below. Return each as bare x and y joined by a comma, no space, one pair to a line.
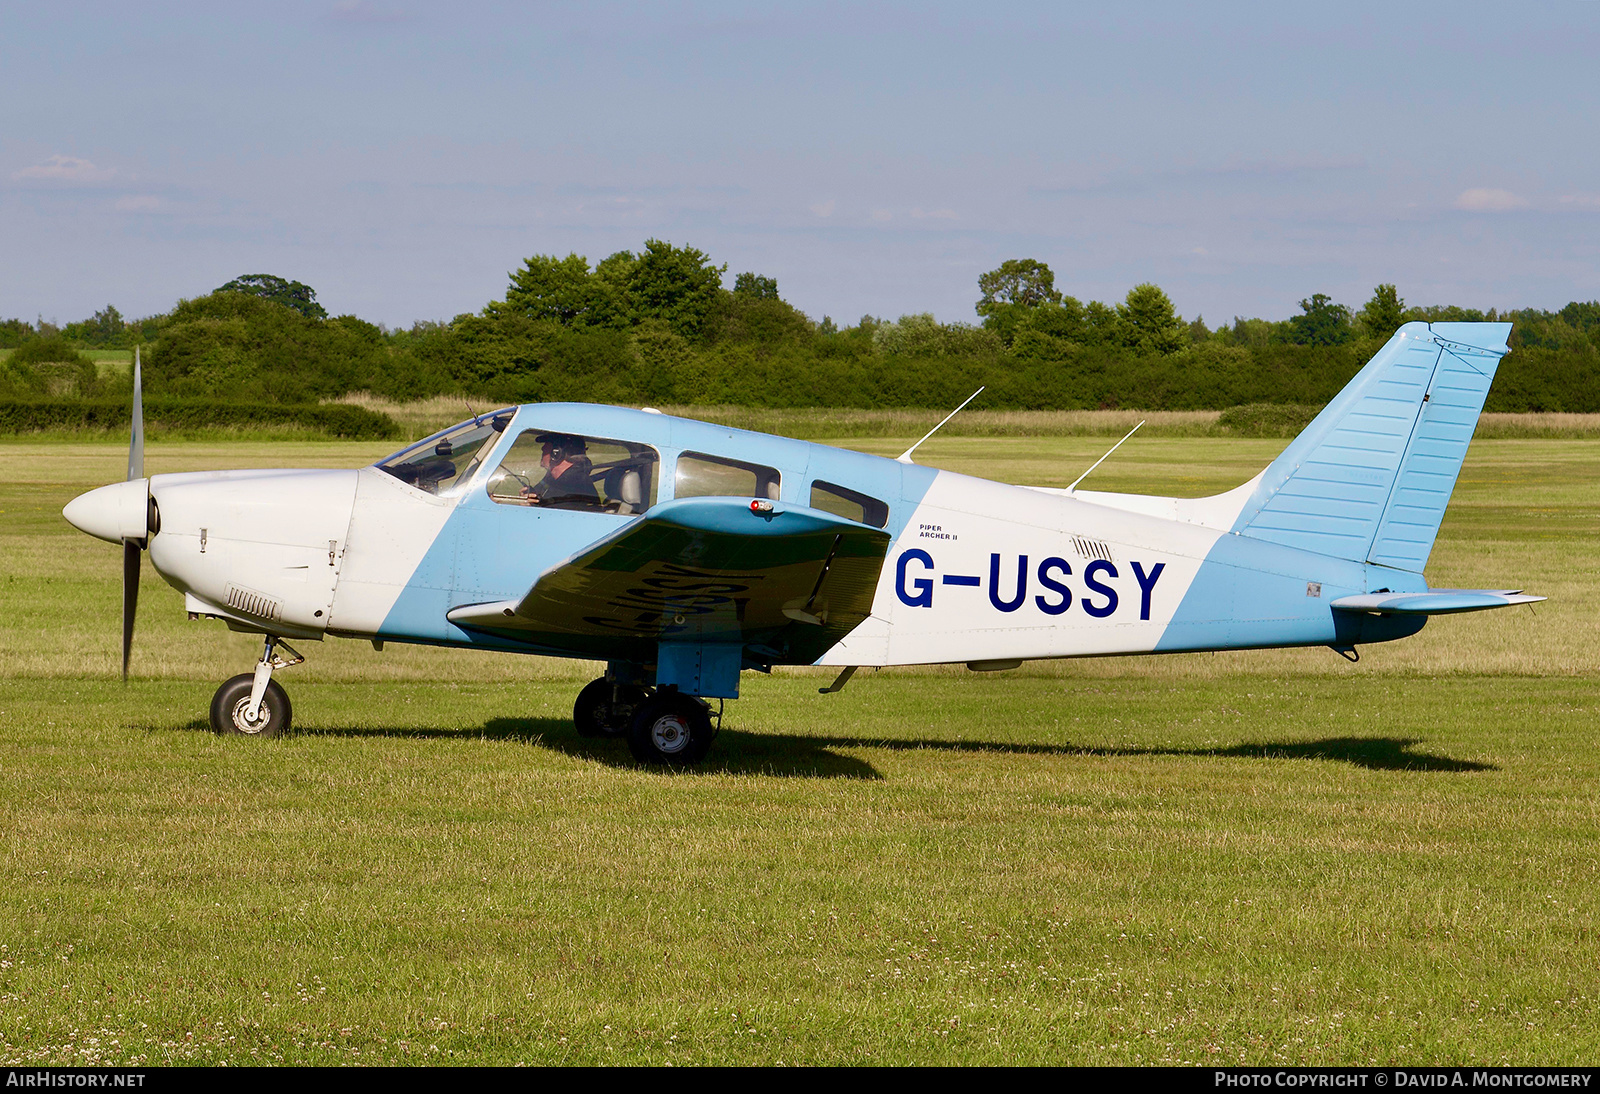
760,505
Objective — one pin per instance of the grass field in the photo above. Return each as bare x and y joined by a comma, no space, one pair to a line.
1264,858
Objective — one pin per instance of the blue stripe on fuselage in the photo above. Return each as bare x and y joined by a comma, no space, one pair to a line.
1251,593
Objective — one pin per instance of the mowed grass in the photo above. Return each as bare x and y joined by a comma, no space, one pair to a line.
1270,857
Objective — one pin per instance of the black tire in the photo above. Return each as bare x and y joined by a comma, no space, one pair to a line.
670,729
601,712
229,703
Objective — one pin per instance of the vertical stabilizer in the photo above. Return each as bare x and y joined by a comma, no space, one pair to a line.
1370,477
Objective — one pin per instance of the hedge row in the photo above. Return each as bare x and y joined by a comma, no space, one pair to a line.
196,415
1090,378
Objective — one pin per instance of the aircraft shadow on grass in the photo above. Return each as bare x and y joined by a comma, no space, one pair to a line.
746,753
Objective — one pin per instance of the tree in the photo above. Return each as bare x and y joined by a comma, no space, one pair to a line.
105,325
1049,332
548,287
1321,322
13,332
675,284
291,294
1582,316
755,287
1255,332
613,291
1384,313
1024,282
1148,323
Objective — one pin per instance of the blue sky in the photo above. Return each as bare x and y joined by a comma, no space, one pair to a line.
402,157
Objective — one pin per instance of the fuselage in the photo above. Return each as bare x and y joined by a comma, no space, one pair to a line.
976,571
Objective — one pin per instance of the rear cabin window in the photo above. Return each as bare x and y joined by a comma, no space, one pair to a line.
844,502
567,471
701,476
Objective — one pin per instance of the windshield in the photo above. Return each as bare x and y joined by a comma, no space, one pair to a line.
443,463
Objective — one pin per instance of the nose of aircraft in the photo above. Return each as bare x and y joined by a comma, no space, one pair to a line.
114,513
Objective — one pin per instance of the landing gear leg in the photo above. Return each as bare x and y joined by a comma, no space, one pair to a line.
605,707
253,704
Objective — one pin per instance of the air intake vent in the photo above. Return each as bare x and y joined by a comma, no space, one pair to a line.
1091,548
253,603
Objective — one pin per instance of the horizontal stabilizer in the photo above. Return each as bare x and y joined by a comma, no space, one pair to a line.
709,569
1433,602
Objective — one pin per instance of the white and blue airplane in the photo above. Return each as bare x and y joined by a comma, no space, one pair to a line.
682,553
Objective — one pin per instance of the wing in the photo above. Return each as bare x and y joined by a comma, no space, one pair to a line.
787,581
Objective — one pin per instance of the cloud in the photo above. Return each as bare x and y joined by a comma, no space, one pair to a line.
138,203
823,208
933,214
60,168
1581,201
1489,201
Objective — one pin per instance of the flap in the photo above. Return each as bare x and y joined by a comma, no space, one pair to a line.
706,569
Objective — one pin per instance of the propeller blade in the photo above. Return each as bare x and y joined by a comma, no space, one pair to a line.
130,600
136,445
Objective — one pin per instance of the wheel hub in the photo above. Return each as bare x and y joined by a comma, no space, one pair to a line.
241,716
670,733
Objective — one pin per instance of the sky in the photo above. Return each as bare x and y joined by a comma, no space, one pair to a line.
401,158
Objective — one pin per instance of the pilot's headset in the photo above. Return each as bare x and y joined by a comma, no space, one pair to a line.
563,447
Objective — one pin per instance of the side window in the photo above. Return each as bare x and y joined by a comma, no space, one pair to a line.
841,501
568,471
700,475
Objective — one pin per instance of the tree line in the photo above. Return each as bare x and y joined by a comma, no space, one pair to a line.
659,325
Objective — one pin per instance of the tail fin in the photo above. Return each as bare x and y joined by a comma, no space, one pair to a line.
1371,475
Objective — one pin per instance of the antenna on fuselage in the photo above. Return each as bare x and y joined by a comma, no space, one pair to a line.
1102,459
905,457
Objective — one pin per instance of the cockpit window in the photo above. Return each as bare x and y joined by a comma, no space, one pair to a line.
567,471
444,463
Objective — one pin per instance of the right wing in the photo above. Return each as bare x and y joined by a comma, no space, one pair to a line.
784,579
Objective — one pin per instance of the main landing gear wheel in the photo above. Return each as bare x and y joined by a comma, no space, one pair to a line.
604,709
230,709
670,729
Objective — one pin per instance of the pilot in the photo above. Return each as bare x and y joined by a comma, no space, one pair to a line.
567,473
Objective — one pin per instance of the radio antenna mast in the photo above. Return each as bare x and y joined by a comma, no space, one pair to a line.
905,457
1102,459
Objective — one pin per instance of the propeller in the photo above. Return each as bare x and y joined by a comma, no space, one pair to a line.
130,547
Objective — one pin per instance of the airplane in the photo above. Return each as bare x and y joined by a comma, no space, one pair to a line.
683,554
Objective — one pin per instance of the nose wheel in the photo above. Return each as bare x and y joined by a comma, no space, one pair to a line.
230,708
253,704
